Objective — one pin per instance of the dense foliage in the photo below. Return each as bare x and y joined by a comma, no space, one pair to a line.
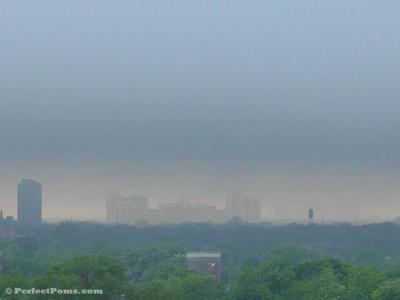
259,261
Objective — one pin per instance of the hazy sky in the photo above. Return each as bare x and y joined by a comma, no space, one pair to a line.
296,102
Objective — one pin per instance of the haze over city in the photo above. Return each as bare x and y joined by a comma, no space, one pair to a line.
295,103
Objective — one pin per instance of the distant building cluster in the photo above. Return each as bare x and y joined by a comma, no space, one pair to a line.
7,230
5,219
135,209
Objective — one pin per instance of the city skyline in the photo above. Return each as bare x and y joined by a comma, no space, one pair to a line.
269,212
295,102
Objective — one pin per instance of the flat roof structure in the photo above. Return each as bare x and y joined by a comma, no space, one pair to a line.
205,262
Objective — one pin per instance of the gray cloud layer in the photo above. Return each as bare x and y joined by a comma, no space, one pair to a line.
200,80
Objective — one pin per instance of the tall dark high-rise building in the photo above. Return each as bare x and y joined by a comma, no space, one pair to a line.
29,203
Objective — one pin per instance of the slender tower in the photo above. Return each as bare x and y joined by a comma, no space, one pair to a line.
310,215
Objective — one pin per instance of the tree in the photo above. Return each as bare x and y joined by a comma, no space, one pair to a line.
201,287
362,281
191,287
250,286
141,259
156,290
12,281
87,272
324,286
388,290
166,270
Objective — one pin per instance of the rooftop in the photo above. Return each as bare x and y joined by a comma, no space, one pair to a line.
203,254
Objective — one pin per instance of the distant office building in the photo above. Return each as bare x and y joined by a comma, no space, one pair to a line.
125,209
245,207
234,202
207,263
186,211
29,202
135,210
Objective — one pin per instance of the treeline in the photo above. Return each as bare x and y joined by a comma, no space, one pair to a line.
259,261
294,274
290,277
376,245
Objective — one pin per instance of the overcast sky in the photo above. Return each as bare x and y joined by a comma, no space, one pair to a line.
296,102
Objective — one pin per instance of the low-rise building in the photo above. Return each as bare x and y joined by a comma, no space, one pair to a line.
207,263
